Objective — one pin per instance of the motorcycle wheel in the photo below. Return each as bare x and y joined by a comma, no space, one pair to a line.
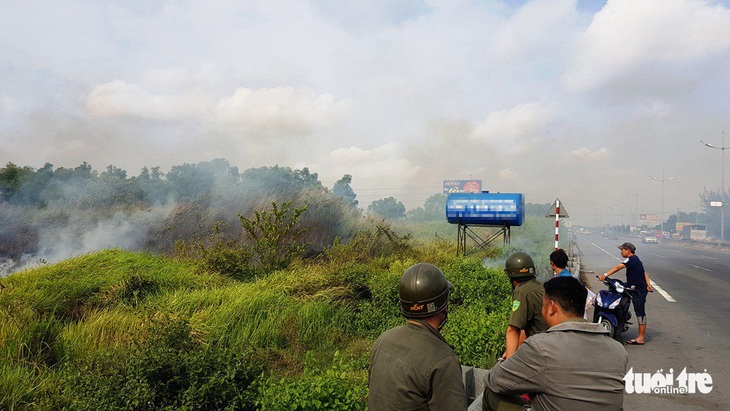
608,326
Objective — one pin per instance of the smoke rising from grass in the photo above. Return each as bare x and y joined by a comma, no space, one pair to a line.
49,214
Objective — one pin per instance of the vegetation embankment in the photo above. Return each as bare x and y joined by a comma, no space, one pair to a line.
124,330
259,290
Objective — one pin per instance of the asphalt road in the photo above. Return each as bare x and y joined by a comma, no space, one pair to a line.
688,323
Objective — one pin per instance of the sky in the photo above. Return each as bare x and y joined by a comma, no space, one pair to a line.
579,100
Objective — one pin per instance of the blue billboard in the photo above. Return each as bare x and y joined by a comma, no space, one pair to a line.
493,209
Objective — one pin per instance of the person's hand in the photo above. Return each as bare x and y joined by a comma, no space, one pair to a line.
602,277
649,288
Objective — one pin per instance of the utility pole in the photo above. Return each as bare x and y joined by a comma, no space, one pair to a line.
662,180
622,214
722,187
636,210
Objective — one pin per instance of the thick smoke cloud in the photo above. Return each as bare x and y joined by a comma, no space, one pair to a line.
524,95
50,214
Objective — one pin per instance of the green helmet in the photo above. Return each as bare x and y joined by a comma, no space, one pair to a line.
424,291
519,265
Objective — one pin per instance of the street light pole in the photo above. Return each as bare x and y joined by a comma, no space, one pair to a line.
664,181
722,188
622,214
636,210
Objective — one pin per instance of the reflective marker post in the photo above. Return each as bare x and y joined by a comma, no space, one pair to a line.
557,222
555,211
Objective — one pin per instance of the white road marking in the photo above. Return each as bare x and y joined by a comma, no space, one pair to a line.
707,256
612,256
701,268
661,291
661,256
654,285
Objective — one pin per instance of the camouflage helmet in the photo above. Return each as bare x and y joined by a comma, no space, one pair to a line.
519,265
423,291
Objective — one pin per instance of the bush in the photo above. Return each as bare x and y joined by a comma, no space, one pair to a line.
379,242
219,253
172,372
333,389
477,336
476,285
380,312
275,236
479,313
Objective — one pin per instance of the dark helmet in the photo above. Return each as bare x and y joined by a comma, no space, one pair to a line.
424,291
519,265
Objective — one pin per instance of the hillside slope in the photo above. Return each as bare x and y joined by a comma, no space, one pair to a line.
123,330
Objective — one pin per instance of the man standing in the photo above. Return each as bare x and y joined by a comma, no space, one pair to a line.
411,366
637,277
558,262
526,301
574,365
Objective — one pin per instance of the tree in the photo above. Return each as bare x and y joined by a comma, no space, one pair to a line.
33,185
275,235
388,208
11,179
188,181
280,180
713,214
114,172
435,206
343,190
434,209
84,170
154,188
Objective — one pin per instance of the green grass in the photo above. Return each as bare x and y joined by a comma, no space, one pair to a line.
105,328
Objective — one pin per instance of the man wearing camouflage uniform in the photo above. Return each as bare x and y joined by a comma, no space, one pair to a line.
526,302
411,366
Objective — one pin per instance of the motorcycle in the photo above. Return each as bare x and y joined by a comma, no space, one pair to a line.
611,308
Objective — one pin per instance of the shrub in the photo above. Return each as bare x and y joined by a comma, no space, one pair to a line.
480,308
474,284
219,254
275,236
477,336
331,389
171,372
380,312
379,242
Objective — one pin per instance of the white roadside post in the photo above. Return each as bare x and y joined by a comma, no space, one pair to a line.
557,212
557,221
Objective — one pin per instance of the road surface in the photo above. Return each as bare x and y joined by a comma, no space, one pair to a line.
688,322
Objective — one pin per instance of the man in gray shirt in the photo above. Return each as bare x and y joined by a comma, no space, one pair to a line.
574,365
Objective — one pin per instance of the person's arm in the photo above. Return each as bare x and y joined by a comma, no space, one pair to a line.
512,341
648,283
524,372
447,389
523,337
618,267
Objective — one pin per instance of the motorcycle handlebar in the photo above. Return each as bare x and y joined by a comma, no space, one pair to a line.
632,288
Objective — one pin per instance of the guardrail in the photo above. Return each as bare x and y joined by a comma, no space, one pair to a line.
700,244
574,257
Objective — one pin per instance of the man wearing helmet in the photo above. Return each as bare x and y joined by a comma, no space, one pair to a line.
411,366
526,301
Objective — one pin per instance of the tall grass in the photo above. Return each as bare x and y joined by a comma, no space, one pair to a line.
108,329
102,327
